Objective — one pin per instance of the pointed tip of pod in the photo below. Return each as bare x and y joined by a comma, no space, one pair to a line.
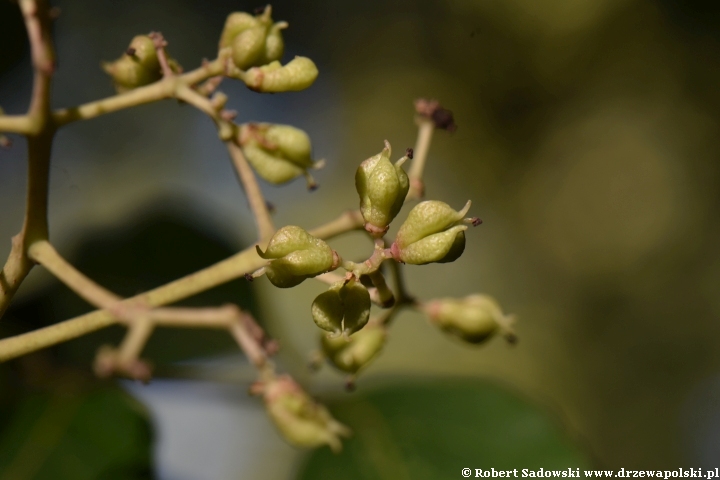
280,26
260,252
387,148
465,209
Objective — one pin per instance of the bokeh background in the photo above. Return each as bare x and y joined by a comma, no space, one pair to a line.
588,141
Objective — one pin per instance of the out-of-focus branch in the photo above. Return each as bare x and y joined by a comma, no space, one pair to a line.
39,129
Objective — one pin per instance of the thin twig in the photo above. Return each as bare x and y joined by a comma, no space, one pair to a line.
45,254
227,131
141,321
258,205
229,269
160,90
422,145
348,221
40,134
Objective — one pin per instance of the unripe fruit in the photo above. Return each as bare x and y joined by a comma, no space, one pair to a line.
354,353
274,43
236,23
301,420
278,153
382,187
248,47
138,66
296,75
433,232
254,40
343,309
474,318
295,256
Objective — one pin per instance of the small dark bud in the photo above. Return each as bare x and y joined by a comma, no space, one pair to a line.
409,153
444,120
259,10
130,52
350,384
476,221
249,277
432,110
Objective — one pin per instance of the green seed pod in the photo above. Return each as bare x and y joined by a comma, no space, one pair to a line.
440,247
255,40
292,144
301,420
248,47
432,233
274,43
279,153
473,319
295,256
271,168
354,353
343,309
144,52
236,23
296,75
138,66
382,187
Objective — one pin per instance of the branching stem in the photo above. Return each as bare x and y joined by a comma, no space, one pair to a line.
236,266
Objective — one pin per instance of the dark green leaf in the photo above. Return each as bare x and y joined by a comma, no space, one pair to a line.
76,432
434,430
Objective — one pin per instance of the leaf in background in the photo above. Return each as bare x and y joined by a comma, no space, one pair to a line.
434,430
76,432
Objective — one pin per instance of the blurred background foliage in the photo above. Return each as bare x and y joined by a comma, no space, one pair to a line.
587,140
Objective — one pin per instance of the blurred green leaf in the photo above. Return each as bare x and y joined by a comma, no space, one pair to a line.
434,430
76,432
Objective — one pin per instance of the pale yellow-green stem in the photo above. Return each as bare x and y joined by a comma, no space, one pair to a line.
236,266
229,133
39,130
141,320
422,145
16,124
162,89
